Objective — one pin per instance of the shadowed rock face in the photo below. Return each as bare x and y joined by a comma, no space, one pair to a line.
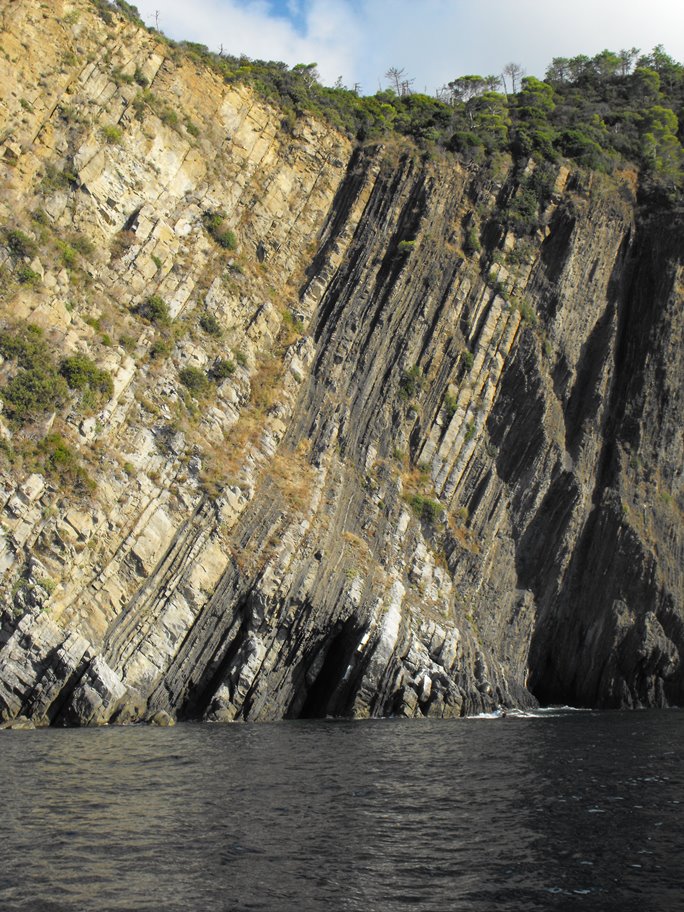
435,481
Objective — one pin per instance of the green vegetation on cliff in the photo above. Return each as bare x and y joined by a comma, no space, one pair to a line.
608,112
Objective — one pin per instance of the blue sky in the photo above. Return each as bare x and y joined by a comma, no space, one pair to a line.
292,10
433,40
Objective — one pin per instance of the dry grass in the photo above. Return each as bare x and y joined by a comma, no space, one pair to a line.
464,537
222,463
416,480
294,477
265,382
359,547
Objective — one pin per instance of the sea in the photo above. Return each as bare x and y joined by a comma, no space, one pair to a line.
553,810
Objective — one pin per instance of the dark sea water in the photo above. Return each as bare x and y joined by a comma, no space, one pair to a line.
567,810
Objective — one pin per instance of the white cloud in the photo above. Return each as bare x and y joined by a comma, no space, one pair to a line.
251,29
434,40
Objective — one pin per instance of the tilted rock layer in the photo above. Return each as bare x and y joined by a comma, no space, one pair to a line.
430,482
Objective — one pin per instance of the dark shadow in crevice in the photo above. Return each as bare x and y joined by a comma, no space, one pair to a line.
332,691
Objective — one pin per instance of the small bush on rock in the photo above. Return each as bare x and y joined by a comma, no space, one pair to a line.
154,310
194,379
214,224
222,368
18,243
426,509
81,373
210,324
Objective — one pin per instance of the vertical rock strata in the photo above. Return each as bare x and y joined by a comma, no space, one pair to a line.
433,481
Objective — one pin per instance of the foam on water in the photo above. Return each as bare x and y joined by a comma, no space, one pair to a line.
541,712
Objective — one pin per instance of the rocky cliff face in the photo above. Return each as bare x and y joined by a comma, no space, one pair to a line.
347,468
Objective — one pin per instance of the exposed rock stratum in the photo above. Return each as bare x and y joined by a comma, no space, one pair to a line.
427,482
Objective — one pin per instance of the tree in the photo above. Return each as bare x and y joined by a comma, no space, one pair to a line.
606,64
579,145
395,76
489,119
308,72
515,73
659,145
647,82
421,116
671,73
535,105
536,100
558,71
466,87
399,81
627,58
580,68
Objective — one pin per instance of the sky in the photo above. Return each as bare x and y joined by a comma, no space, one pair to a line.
433,41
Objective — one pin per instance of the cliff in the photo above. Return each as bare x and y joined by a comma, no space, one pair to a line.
363,450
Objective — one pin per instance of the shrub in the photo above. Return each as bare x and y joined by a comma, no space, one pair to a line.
82,244
54,180
26,345
194,379
139,103
62,465
241,358
146,99
578,145
5,280
405,247
18,243
32,392
222,368
522,253
522,214
210,324
81,373
425,508
411,383
121,78
161,348
154,310
527,312
103,10
69,255
28,276
224,237
467,144
169,117
471,243
112,134
450,405
292,321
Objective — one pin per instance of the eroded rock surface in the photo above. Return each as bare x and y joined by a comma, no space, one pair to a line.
430,483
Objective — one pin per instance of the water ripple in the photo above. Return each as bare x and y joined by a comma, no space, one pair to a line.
559,811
